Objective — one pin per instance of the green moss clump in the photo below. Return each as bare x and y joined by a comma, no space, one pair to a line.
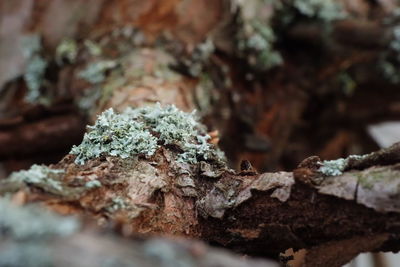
140,132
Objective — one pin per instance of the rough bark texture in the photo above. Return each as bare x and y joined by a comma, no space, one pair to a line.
257,214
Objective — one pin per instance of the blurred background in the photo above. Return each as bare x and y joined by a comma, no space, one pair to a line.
277,81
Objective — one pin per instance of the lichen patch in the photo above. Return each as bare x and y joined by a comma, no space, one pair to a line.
142,131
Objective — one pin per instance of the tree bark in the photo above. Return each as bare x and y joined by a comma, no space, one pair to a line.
186,53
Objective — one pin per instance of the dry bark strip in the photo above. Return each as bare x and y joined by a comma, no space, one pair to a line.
257,214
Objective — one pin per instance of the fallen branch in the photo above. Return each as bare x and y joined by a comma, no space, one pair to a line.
318,206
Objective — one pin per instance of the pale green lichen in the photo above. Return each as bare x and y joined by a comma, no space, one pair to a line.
255,36
32,222
89,98
96,72
93,184
25,231
140,132
117,204
369,179
204,93
35,67
338,166
166,254
390,71
39,175
390,59
47,179
347,83
66,50
256,42
325,10
93,48
34,77
27,254
199,56
31,45
333,167
116,135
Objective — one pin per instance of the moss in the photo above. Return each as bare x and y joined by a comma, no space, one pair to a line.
66,50
96,72
140,132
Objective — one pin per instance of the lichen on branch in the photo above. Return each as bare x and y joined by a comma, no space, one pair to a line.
141,131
